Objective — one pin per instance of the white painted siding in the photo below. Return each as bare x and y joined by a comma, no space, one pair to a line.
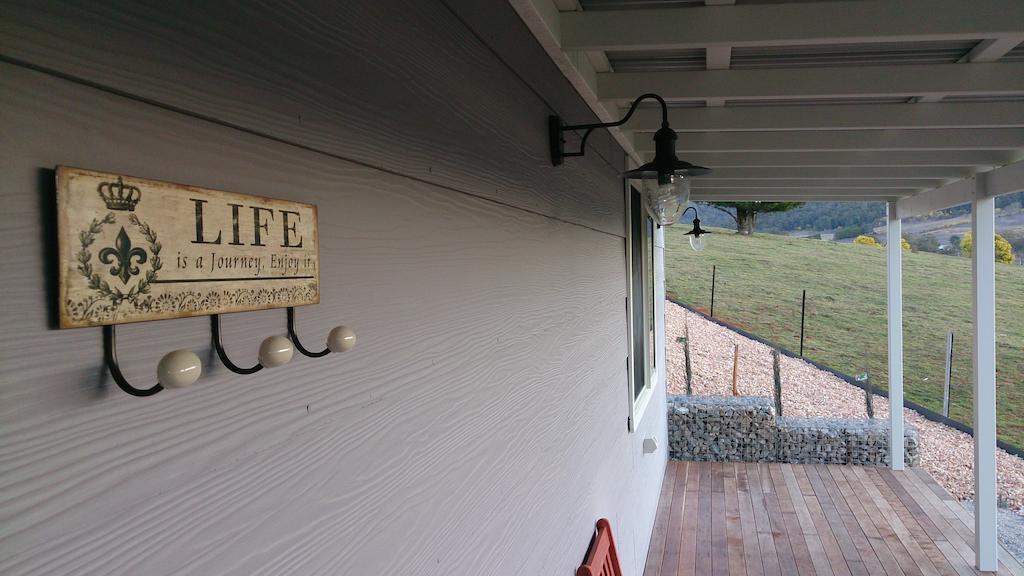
480,425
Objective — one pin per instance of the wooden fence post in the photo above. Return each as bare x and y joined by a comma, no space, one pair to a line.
949,371
803,311
686,356
735,369
713,270
869,396
777,374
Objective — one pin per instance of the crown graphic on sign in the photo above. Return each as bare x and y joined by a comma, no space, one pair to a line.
119,196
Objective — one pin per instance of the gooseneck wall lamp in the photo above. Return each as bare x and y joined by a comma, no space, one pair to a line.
697,233
665,179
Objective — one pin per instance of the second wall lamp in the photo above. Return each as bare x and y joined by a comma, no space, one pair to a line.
665,179
696,233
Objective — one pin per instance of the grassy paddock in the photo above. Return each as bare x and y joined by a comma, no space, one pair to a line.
758,288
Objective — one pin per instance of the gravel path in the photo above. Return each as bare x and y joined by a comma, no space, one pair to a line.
946,453
1011,529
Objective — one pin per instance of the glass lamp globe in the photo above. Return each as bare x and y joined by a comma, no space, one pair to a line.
697,234
666,197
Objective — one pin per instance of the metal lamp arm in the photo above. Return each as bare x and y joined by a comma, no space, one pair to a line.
632,108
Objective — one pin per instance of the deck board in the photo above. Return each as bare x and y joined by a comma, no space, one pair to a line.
748,523
659,538
688,551
821,526
804,561
733,528
704,521
746,519
885,531
765,539
866,523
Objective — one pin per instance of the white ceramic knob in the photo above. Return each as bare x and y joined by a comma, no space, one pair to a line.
275,351
341,339
178,369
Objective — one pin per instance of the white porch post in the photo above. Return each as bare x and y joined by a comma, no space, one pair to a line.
894,266
984,283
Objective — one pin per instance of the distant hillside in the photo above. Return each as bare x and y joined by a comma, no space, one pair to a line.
816,216
831,216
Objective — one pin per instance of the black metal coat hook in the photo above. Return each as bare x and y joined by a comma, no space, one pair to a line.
110,356
182,368
219,347
295,338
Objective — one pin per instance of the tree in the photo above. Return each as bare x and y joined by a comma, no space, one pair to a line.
904,244
1004,250
850,232
924,243
954,244
866,240
746,213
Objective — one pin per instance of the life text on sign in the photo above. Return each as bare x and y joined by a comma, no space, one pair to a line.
133,249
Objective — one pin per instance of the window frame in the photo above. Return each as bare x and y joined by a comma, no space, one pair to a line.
642,260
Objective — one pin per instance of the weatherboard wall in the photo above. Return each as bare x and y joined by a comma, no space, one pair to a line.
479,427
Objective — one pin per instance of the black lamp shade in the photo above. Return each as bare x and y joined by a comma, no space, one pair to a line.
681,167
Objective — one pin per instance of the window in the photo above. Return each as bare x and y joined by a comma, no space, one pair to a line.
642,256
649,314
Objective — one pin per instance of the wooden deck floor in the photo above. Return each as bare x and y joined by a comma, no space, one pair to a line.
781,519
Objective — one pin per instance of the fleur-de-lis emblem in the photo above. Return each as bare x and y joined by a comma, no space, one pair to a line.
123,254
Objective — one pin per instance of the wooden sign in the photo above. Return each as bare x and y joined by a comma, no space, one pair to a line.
134,249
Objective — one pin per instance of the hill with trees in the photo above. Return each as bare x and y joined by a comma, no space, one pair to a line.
845,219
815,216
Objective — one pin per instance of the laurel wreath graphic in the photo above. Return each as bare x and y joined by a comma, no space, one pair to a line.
107,302
154,251
88,236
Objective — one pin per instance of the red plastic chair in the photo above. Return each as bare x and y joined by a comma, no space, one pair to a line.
602,559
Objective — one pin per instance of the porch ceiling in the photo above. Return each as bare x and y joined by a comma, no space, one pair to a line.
797,98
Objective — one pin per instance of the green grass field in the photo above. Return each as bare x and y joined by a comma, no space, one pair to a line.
760,278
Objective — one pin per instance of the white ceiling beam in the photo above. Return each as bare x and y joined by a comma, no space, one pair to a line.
938,158
763,173
754,195
988,50
833,183
1004,180
804,23
809,192
544,20
816,140
834,117
952,194
988,79
992,49
717,58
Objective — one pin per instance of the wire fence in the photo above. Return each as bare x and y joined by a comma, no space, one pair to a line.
860,382
821,325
